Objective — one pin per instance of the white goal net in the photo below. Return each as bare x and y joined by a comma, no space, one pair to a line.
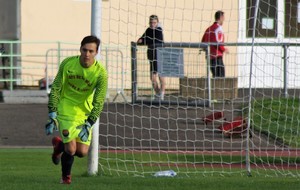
247,121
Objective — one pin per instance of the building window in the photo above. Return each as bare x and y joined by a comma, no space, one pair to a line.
292,18
266,25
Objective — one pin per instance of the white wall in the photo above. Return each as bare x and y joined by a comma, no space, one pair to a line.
267,61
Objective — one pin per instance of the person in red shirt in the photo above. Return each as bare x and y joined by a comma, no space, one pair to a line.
215,34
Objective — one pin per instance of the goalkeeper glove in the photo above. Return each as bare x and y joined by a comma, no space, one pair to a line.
52,123
85,131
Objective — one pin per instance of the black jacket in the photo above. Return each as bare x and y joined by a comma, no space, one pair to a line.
153,37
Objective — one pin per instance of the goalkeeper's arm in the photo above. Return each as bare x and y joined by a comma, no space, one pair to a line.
99,96
56,89
52,123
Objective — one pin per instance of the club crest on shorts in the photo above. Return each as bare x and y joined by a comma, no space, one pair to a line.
65,133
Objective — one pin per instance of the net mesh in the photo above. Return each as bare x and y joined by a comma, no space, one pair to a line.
143,138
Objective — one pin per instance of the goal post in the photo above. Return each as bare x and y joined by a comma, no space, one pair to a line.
93,155
248,167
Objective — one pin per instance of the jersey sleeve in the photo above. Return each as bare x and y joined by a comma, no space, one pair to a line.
99,96
220,38
56,88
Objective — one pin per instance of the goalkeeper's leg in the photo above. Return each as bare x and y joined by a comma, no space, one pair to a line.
58,148
67,160
66,166
73,148
81,150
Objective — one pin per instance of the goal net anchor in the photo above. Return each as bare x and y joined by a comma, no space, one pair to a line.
120,92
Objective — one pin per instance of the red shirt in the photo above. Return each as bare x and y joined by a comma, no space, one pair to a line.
214,34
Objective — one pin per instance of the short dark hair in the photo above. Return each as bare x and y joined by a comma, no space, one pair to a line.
218,15
153,17
90,39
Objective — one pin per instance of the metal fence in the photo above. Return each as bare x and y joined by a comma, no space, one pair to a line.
25,64
33,65
275,68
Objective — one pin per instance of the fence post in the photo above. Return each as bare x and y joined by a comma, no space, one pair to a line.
11,60
133,73
46,73
58,54
285,73
208,75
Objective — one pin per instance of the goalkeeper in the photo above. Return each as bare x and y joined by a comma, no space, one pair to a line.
75,102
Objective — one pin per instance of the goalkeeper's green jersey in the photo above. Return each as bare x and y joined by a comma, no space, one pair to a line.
78,92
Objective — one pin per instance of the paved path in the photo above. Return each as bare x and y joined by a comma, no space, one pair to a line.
128,126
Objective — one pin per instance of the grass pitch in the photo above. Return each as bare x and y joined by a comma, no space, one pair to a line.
278,118
32,169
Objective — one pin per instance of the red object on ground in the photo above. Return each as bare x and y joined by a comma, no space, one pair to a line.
214,116
237,126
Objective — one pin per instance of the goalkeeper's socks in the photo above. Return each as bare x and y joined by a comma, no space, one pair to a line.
61,146
66,163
